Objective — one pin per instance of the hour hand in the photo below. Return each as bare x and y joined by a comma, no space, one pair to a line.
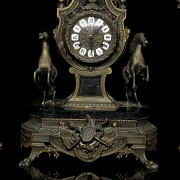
92,34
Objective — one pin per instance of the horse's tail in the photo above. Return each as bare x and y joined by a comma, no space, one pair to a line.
125,74
54,73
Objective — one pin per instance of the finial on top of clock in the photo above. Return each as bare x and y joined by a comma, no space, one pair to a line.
120,4
63,3
123,6
60,3
178,6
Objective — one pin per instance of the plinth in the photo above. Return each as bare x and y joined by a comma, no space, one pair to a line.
89,135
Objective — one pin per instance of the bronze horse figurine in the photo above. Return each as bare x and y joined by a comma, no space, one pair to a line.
46,72
136,70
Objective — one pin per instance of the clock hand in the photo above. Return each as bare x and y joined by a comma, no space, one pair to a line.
92,36
96,31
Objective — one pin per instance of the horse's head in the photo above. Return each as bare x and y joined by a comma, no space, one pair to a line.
139,38
142,39
43,35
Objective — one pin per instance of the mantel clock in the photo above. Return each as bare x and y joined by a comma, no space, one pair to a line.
90,123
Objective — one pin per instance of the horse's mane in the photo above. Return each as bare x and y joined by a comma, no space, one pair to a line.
134,42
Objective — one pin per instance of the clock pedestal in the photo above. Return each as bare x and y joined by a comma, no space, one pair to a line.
89,135
90,91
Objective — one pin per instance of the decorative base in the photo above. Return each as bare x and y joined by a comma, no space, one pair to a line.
89,135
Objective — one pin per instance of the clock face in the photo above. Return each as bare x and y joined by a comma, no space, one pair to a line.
91,39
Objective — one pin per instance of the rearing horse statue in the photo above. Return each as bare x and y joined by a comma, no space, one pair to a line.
136,70
46,72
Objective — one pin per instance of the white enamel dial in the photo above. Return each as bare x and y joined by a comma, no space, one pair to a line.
91,39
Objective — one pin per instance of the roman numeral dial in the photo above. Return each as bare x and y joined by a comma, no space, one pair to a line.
91,39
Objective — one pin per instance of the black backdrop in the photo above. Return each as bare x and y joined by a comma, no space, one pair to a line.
20,50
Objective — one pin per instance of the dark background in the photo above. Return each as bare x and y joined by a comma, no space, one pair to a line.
20,51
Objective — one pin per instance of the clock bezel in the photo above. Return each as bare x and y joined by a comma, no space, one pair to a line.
113,32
